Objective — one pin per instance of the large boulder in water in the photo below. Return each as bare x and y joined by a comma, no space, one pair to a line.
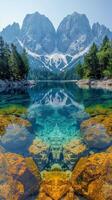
92,177
19,177
56,185
6,120
16,138
96,137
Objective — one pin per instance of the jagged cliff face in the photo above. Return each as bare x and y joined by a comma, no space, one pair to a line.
74,34
38,34
55,50
99,32
11,32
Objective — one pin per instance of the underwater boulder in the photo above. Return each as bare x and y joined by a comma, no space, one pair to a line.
16,138
103,120
39,150
96,137
92,177
6,120
19,177
98,109
16,110
72,151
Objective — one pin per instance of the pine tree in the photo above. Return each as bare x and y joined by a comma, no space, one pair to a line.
25,68
91,64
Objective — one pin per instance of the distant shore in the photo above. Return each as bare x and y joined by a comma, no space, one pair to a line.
6,85
98,84
83,83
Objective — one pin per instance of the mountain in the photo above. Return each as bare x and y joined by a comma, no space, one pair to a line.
38,34
74,34
53,50
11,32
99,32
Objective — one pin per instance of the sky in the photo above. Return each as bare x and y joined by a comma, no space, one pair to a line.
15,10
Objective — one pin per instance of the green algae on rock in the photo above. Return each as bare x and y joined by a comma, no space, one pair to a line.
98,110
16,110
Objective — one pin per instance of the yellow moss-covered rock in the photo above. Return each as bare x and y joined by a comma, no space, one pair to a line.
72,150
39,150
105,120
20,177
55,185
92,177
6,120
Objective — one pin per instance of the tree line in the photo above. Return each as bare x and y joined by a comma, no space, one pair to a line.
13,65
97,62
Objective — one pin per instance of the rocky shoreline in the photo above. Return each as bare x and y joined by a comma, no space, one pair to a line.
98,84
6,85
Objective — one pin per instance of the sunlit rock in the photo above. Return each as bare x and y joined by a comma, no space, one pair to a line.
40,152
19,177
104,120
56,185
92,176
72,151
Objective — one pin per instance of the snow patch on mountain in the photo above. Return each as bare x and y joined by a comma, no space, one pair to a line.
56,61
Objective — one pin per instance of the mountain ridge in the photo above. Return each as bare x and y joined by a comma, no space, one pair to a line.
53,49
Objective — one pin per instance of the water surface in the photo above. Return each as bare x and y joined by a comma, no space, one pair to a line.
55,111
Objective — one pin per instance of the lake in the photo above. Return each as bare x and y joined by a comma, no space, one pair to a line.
55,112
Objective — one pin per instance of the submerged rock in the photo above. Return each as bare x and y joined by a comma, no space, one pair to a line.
98,110
96,137
19,177
56,185
72,151
16,138
103,120
92,177
40,152
16,110
6,120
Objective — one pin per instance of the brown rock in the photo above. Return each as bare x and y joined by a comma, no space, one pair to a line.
104,120
95,136
92,177
72,151
40,152
18,175
55,185
6,120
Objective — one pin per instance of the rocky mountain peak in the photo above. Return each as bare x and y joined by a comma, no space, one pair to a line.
11,32
38,33
74,33
99,32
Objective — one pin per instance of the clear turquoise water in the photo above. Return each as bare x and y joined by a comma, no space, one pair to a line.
55,111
